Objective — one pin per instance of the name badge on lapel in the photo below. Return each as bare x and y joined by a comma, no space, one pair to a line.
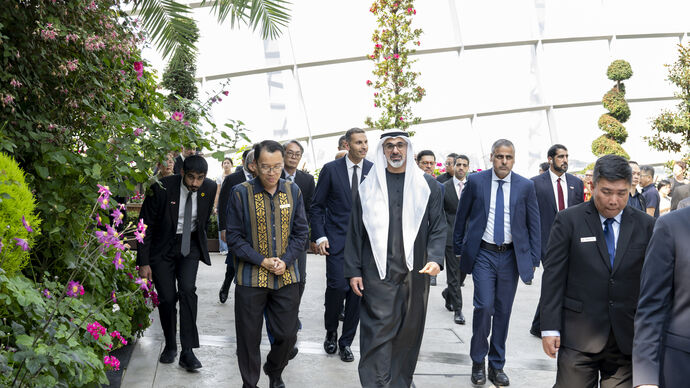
588,239
285,205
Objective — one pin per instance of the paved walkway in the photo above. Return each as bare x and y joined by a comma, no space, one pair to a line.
443,361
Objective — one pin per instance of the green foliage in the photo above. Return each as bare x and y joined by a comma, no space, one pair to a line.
603,145
619,112
614,102
619,70
212,229
179,75
270,16
77,108
16,202
671,129
395,84
613,128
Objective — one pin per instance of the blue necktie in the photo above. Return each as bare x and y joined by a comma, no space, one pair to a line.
610,239
498,215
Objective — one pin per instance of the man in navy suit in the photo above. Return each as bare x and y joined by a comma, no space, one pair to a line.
330,213
556,190
661,349
497,236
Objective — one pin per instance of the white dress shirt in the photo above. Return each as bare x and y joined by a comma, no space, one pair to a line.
456,181
489,231
564,186
180,211
350,168
616,226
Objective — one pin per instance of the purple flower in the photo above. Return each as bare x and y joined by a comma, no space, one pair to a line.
104,190
141,226
177,116
119,263
139,236
143,283
138,131
22,243
74,289
113,297
26,225
117,216
226,92
47,293
1,246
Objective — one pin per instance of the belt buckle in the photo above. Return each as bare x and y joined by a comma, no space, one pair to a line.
502,248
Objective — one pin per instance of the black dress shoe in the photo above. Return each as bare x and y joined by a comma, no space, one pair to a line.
341,317
224,291
293,353
459,318
535,332
346,354
189,361
330,345
433,281
274,381
444,294
168,355
478,374
498,377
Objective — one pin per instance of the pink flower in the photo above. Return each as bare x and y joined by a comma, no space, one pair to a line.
439,164
8,99
226,92
402,119
139,69
96,330
22,243
396,56
74,289
143,283
178,116
185,123
117,216
104,190
113,297
26,225
141,226
104,202
47,293
16,83
119,263
72,65
139,236
138,131
368,83
112,362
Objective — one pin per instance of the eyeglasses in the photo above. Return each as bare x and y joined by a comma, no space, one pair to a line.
268,169
295,155
400,145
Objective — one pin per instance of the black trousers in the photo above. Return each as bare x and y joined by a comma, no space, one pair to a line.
280,307
610,367
338,290
302,267
455,278
174,277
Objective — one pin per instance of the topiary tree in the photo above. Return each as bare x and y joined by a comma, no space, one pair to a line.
395,84
671,130
18,221
619,112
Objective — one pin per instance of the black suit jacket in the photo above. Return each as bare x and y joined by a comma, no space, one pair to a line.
445,177
547,202
306,184
450,206
662,322
680,193
581,295
229,182
160,213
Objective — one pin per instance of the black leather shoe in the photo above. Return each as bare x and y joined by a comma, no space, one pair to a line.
478,374
498,377
444,294
330,345
274,381
535,332
168,355
433,281
341,317
224,291
293,353
189,361
346,354
459,318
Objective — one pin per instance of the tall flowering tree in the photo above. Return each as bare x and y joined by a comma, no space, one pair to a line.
395,87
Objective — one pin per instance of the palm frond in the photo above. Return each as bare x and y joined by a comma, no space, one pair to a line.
168,23
270,16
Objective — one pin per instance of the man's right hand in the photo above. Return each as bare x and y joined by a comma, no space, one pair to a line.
357,285
323,248
551,345
145,272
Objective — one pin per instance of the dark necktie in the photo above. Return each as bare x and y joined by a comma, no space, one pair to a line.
498,215
355,181
610,239
187,226
561,201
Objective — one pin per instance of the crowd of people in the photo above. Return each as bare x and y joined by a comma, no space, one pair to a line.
615,302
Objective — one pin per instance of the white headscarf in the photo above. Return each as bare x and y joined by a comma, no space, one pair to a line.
373,194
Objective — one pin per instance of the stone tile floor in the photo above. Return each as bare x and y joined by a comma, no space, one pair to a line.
443,361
